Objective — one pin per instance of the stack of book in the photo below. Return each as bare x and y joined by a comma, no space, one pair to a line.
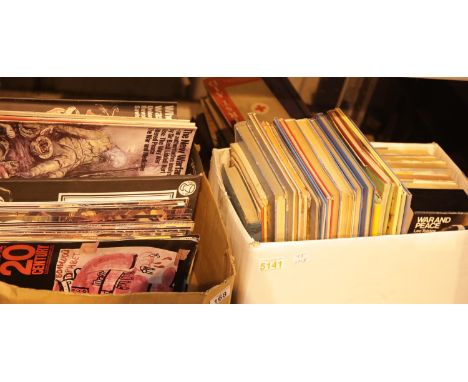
419,165
94,242
319,178
438,186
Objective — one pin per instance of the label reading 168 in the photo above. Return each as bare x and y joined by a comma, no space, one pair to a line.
221,296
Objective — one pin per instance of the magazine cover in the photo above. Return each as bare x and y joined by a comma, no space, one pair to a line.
113,267
41,146
138,109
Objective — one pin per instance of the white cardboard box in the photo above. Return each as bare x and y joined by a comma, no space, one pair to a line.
413,268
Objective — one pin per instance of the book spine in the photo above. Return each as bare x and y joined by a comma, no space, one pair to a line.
221,98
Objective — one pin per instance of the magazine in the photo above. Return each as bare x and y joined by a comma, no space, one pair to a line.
42,145
106,267
137,109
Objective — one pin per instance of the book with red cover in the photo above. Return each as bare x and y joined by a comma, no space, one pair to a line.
269,98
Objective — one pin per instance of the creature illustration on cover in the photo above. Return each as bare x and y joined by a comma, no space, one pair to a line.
38,150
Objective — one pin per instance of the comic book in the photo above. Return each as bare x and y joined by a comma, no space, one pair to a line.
137,109
44,145
105,267
66,212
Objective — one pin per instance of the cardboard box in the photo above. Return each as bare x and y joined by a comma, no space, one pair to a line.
413,268
212,277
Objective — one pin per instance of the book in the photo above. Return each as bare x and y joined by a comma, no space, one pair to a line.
312,166
319,226
316,178
301,219
261,196
267,177
242,201
286,183
350,203
389,208
221,129
341,151
215,137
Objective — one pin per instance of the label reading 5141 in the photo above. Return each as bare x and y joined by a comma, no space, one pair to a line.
271,264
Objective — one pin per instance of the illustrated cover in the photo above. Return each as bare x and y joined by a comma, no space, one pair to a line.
138,109
114,267
269,98
43,146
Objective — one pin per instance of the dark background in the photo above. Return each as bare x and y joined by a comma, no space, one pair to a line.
398,109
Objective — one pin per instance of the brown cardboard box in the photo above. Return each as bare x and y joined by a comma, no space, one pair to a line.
212,276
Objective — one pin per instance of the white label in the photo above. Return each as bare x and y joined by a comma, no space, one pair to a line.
187,188
271,264
225,293
301,258
117,196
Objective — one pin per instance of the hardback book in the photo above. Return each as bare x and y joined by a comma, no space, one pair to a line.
261,196
268,178
242,201
290,191
222,129
392,204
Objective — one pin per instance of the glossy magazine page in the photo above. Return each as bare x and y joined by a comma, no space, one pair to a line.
107,267
42,145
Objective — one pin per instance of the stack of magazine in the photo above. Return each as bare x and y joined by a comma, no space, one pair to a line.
107,243
319,178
